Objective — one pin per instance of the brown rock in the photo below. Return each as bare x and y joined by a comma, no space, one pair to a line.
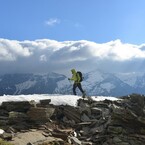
40,114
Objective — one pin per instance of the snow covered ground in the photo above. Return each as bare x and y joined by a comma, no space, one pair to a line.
56,99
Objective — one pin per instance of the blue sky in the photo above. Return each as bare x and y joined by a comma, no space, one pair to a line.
65,20
58,35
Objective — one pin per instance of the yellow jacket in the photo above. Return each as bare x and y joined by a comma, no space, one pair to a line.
75,76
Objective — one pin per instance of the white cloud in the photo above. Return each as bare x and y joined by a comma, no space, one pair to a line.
27,56
52,22
11,49
115,50
43,58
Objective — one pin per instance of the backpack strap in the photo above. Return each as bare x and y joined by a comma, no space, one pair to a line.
78,77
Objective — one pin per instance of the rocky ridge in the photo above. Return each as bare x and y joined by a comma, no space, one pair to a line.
120,122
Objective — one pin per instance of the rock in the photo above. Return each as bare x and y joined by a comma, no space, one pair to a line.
116,140
86,143
6,136
33,103
75,141
3,112
101,105
11,130
119,122
96,111
40,114
17,115
137,104
85,118
85,123
19,106
61,135
3,121
35,138
138,99
45,102
115,129
72,113
29,143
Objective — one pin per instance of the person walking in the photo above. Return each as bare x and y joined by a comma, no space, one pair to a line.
77,82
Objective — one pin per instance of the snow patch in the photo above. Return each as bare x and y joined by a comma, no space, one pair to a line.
24,86
1,131
129,78
102,98
107,86
56,99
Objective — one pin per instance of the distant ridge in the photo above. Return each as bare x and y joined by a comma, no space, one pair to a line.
95,83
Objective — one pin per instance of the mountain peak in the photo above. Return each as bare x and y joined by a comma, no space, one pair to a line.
95,83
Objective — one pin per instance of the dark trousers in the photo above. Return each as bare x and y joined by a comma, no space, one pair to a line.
75,85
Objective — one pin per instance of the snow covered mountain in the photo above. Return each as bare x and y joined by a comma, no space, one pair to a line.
29,83
135,80
106,84
95,83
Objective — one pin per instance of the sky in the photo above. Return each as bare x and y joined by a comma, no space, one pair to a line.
56,35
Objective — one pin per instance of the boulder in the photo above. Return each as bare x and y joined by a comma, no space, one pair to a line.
45,102
19,106
40,113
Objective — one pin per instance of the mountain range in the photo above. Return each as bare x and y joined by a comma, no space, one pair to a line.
95,83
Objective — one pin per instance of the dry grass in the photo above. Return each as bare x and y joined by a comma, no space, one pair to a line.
2,142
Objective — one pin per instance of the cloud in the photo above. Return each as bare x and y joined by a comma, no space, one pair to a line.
43,58
10,50
49,55
52,22
116,50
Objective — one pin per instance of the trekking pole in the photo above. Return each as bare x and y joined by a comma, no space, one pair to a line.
70,86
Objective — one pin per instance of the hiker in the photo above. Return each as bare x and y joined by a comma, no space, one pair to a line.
77,82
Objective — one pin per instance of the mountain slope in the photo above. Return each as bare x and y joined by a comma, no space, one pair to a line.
107,84
95,83
29,83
